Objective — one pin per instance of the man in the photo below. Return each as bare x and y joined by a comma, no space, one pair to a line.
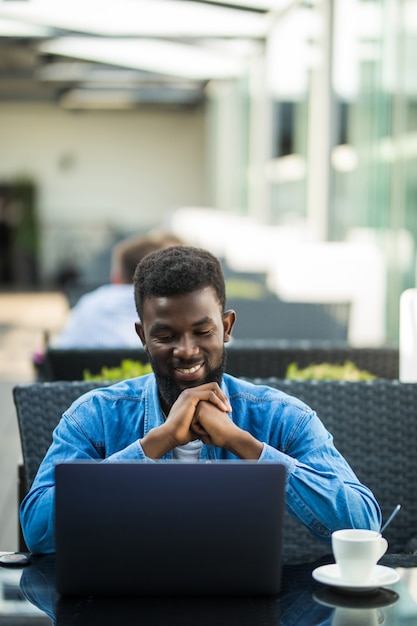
104,317
189,408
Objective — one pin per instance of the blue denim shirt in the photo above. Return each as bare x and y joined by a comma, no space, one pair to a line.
106,424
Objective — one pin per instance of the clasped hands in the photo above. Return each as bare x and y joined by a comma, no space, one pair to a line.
201,413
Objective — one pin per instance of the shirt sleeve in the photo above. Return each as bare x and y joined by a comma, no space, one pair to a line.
322,490
70,442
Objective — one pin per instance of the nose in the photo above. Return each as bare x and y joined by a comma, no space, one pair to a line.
186,348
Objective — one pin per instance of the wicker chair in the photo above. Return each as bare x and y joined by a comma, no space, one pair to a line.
374,426
70,363
264,358
39,407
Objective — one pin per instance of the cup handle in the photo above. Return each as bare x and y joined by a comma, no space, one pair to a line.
383,543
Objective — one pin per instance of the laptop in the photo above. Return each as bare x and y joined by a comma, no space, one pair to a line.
169,528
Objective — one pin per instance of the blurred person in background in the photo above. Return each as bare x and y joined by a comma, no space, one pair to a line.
105,317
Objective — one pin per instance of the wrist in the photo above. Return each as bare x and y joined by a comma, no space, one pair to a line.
157,442
245,446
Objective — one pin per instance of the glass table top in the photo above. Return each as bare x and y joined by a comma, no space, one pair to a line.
28,598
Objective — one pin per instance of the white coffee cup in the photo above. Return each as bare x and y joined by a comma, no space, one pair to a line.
357,552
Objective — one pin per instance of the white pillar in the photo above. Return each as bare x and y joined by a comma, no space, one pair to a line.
320,128
408,336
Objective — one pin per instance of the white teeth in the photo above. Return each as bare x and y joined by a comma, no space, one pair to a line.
190,370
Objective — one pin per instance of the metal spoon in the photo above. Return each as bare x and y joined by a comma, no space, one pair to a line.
391,517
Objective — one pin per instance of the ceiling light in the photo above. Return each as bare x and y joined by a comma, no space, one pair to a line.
16,28
149,18
175,59
260,5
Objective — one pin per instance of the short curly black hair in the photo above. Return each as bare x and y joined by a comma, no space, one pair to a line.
175,271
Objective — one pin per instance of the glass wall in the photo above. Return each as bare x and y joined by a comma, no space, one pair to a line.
374,190
330,139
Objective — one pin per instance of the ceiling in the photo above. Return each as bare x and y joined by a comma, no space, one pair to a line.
126,53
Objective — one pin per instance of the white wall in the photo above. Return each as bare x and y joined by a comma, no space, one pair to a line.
99,172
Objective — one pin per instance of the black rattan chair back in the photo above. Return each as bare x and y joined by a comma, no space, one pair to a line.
374,425
70,363
245,357
39,407
265,358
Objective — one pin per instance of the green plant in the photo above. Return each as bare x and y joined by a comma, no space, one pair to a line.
127,369
328,371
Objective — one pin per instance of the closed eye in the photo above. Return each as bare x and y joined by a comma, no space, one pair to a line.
164,338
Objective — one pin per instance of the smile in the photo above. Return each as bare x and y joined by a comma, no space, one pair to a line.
189,370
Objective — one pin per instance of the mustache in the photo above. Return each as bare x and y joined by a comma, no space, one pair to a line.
186,362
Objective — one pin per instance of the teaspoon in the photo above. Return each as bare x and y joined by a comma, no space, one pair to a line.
391,517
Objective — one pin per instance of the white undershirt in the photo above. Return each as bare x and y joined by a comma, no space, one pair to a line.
188,452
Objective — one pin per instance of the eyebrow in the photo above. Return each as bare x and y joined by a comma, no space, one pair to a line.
161,326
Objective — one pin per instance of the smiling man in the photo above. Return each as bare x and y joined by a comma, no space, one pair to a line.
189,408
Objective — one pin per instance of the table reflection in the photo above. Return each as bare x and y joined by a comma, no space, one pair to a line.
363,609
302,602
295,604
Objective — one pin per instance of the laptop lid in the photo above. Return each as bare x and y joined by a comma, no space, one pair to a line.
169,528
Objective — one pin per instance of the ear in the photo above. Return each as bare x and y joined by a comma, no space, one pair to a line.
140,333
229,319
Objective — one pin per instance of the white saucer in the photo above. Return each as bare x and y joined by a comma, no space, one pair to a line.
330,575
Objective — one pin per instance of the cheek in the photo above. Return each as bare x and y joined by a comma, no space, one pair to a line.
216,354
158,356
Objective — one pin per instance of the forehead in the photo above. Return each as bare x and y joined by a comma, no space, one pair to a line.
190,307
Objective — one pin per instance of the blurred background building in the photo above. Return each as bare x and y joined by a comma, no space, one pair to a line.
279,133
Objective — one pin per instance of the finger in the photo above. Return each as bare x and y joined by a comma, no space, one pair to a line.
218,398
210,392
223,397
218,393
199,431
196,426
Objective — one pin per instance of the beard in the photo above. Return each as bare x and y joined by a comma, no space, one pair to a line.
168,387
